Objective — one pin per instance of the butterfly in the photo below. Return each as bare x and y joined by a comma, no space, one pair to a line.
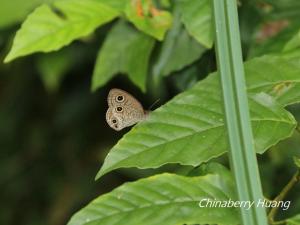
123,110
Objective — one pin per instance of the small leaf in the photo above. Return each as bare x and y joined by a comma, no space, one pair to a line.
295,220
147,18
297,161
125,50
47,30
162,199
196,16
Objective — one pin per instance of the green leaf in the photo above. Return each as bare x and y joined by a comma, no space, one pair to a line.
125,50
178,50
161,199
50,28
295,220
147,18
196,16
189,129
297,161
53,66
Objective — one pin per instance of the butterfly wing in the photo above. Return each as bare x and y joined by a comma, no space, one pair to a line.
124,110
113,121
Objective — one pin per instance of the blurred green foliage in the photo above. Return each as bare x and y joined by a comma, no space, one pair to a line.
53,134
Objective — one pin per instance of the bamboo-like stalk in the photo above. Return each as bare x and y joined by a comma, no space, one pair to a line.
236,109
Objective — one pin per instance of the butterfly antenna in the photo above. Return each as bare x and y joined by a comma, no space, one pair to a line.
153,104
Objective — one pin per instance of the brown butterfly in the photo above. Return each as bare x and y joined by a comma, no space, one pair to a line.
123,110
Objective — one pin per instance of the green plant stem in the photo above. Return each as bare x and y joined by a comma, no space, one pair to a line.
295,179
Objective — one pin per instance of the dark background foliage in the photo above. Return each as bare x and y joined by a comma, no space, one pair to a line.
53,140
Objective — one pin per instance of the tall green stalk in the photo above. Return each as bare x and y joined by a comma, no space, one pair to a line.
242,152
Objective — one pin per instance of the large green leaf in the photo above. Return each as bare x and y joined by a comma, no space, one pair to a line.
147,18
190,130
50,28
125,50
162,199
196,16
295,220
